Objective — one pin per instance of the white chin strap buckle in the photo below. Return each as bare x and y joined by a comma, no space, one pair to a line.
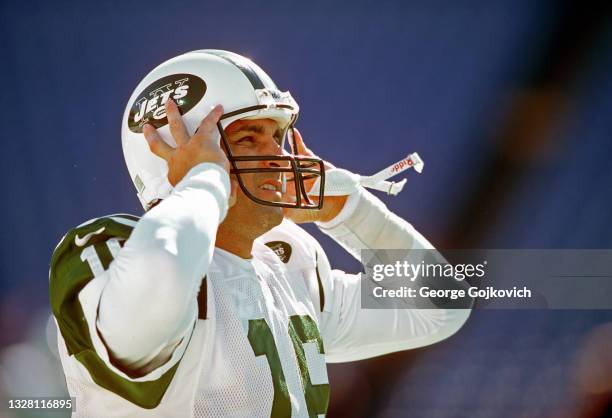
340,182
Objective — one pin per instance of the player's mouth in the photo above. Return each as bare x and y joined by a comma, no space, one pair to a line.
271,186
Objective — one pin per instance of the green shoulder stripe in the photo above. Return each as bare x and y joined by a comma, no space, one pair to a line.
69,273
83,253
126,216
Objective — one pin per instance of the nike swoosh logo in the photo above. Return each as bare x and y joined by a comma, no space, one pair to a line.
82,241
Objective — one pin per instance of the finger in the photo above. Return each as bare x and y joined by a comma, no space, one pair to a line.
209,124
176,124
304,150
299,143
156,143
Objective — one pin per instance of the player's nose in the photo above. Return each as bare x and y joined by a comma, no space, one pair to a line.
284,163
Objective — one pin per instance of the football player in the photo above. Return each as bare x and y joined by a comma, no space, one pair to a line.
215,302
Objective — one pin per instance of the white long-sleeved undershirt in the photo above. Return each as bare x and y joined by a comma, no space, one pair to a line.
150,300
366,223
149,303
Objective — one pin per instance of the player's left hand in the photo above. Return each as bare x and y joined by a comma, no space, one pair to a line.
332,205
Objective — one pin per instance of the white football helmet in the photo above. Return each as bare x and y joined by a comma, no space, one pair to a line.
197,81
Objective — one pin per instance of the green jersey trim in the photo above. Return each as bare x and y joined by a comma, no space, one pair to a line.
320,283
68,275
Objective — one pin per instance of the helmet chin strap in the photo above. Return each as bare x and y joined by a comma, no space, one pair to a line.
340,182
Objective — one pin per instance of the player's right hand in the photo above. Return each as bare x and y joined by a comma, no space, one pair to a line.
190,150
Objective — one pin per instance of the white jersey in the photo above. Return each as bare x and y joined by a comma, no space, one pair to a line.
256,344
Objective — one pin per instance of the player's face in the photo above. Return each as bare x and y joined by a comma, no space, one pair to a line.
255,138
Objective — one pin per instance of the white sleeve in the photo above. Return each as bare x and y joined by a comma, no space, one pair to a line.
352,333
149,302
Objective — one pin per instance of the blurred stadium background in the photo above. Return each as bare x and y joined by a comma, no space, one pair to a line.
509,102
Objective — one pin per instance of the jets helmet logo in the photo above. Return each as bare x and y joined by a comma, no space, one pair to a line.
185,89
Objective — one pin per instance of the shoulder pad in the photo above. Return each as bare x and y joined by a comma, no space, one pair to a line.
299,250
291,243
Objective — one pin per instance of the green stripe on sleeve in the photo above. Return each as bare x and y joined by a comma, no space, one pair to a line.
68,275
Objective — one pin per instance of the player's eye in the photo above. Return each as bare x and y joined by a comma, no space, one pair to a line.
245,141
